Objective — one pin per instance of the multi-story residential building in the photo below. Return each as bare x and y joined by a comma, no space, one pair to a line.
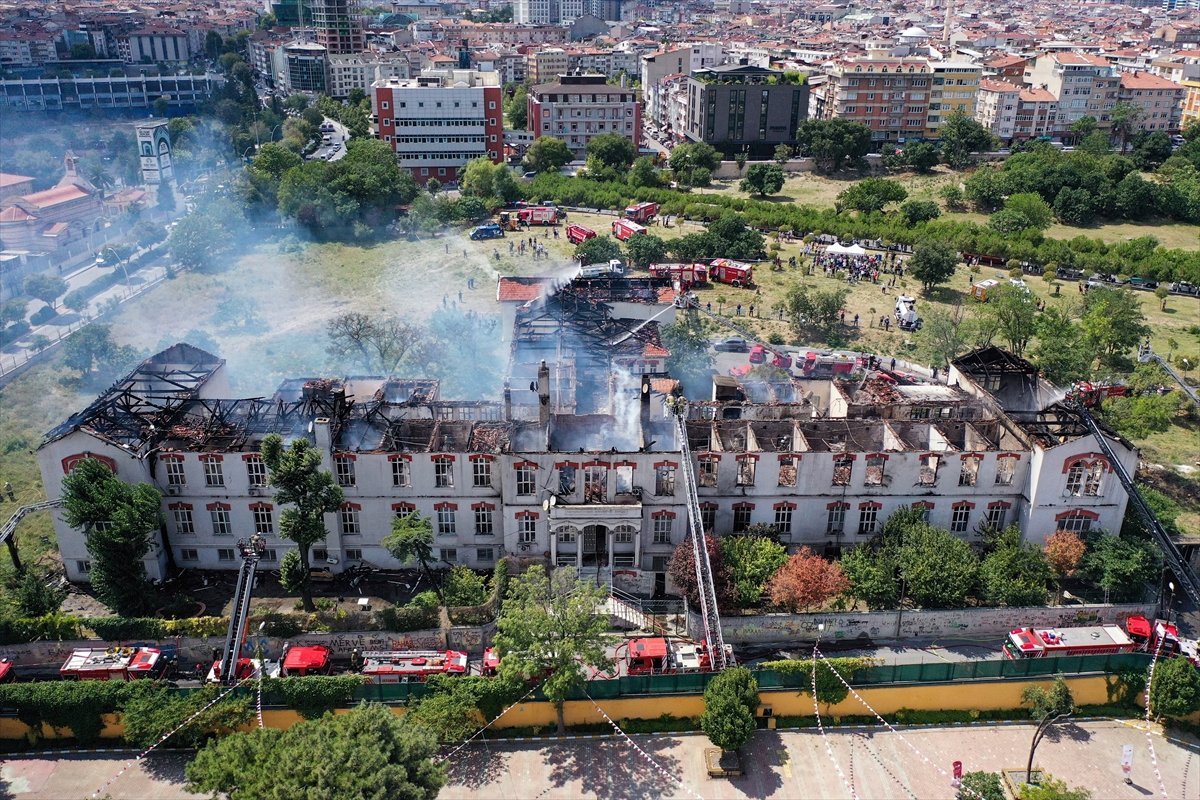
739,108
544,65
440,120
682,60
338,26
996,107
1005,68
362,70
1085,85
26,47
154,44
511,65
577,108
1159,100
301,67
954,87
260,53
545,12
1190,107
183,92
1037,114
888,95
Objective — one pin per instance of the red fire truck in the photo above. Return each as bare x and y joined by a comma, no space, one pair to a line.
578,233
113,664
642,212
7,673
491,662
623,229
662,655
404,666
735,273
1093,394
690,274
538,215
827,365
1053,642
307,660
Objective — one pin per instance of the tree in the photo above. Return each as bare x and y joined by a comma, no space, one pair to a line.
682,571
1138,417
1133,197
1125,117
1113,322
37,594
1030,205
986,188
206,235
1052,789
833,142
547,154
805,581
1162,292
783,154
1083,127
692,161
1013,312
920,156
597,250
645,250
1061,352
730,700
120,521
464,587
915,211
379,344
960,136
1064,553
1015,574
953,197
872,579
939,569
932,263
391,757
91,348
981,786
609,156
753,560
477,178
686,340
292,572
412,538
307,491
516,108
12,311
643,174
1121,567
1176,688
1151,150
47,288
762,179
944,335
1044,702
871,194
814,312
549,628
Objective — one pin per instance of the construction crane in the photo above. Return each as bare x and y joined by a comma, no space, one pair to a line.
714,640
252,551
1171,555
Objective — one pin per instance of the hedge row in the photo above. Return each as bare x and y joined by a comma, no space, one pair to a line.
1140,257
59,627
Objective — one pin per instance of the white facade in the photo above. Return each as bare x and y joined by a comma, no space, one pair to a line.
996,107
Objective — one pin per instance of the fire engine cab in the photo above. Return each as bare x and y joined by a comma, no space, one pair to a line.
625,229
661,655
642,212
404,666
7,673
735,273
310,660
113,664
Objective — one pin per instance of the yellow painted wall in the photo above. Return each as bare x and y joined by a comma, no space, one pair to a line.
981,696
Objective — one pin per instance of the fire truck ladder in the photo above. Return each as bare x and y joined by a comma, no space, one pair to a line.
713,638
251,551
1174,559
1146,354
8,533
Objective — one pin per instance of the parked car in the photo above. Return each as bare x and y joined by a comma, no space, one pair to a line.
1143,283
758,354
1183,287
492,231
734,344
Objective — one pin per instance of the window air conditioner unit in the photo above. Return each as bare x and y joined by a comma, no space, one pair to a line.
174,490
255,491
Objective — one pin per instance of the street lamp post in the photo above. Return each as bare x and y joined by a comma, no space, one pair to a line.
120,262
1171,602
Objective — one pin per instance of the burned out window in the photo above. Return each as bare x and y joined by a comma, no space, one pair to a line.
1093,479
256,471
344,470
595,484
566,479
708,517
746,469
787,470
708,470
741,517
1075,479
968,473
624,479
664,480
876,465
843,466
927,475
1006,468
443,473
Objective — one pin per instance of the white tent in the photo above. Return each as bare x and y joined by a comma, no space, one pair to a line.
841,250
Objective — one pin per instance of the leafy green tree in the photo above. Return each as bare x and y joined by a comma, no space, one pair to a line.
119,521
933,262
308,494
1076,206
1138,417
292,572
960,136
47,288
154,710
986,188
783,154
504,186
464,587
459,704
597,250
412,538
1096,144
871,194
686,340
872,579
549,626
730,700
36,593
1125,118
1134,197
1061,352
477,178
547,154
1015,574
645,250
12,311
391,758
516,108
1083,127
207,235
688,159
643,173
1047,701
1151,150
814,312
1014,312
981,786
1121,567
1176,688
609,156
1032,207
267,169
166,196
833,142
762,180
954,198
731,237
1050,788
1113,322
945,335
753,560
938,568
915,211
920,156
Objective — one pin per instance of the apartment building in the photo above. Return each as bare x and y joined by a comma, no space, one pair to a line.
361,71
954,87
888,95
440,120
1085,85
338,26
545,65
1190,107
26,48
740,108
577,108
683,60
1037,114
549,12
301,67
996,107
1160,100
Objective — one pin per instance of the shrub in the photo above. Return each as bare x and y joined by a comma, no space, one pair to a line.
77,705
42,315
313,695
464,587
830,689
400,619
53,627
153,710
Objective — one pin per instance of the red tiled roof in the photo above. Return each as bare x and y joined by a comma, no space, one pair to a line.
654,351
15,214
55,196
55,229
1145,80
9,179
1037,95
989,85
520,290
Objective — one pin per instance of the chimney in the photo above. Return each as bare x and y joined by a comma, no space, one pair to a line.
321,434
507,403
543,389
645,394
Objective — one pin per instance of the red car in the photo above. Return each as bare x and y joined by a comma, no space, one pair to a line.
758,354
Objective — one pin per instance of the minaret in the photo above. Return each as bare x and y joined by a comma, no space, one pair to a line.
946,23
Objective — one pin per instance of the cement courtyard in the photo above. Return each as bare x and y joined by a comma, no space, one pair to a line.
780,764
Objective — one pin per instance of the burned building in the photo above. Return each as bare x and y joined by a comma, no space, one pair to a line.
578,462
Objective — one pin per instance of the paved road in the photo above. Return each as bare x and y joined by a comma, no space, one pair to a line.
779,764
335,149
